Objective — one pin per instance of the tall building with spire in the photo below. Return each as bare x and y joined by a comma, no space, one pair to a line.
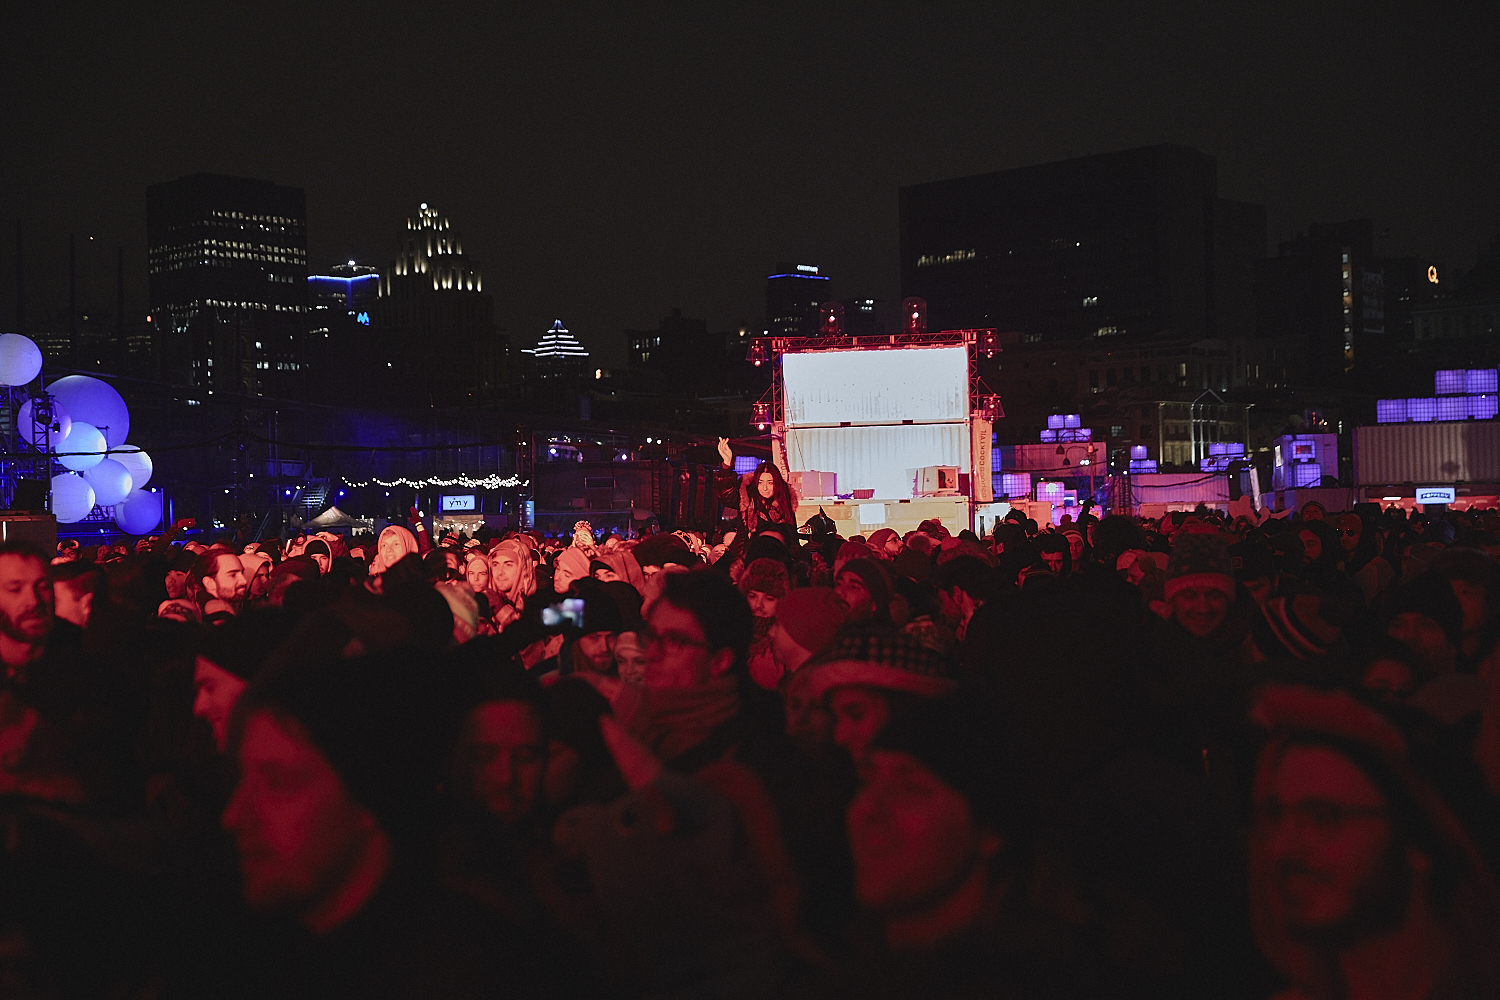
435,294
558,352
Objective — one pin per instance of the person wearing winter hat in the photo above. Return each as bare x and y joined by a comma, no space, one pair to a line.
807,618
228,658
1200,582
865,590
764,583
1364,880
1076,543
885,543
868,675
320,553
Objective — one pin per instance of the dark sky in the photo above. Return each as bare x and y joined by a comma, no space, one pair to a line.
605,168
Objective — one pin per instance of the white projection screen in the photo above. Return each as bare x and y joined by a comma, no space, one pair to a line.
886,387
875,393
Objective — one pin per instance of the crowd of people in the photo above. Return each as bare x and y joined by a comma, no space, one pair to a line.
1200,756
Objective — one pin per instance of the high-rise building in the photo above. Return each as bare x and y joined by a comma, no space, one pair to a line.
1130,245
228,282
1325,286
436,293
793,294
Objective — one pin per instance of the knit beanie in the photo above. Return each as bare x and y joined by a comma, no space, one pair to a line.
880,539
811,616
876,582
767,576
1296,627
1199,561
879,658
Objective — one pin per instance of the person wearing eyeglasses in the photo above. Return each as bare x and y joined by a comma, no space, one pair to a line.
1364,882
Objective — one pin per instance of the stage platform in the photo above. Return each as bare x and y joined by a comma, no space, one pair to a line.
899,515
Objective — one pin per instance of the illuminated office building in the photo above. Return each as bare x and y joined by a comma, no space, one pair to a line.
794,292
228,282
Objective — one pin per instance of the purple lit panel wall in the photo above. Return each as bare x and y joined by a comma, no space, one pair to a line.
1481,380
1390,411
1422,409
1306,474
1453,407
1449,381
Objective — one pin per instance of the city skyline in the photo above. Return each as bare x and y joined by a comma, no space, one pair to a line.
609,171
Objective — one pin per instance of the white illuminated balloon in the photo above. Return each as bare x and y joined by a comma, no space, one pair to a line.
137,461
139,513
20,359
111,482
72,498
38,435
83,448
96,402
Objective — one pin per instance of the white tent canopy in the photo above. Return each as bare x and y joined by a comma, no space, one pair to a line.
335,518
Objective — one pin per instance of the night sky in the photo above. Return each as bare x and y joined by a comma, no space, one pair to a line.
607,168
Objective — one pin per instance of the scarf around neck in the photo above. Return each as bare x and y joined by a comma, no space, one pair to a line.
671,721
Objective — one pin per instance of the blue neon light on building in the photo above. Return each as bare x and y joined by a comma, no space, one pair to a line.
347,287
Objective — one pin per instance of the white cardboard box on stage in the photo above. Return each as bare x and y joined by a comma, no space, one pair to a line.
815,484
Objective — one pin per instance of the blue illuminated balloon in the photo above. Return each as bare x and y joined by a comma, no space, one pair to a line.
139,513
20,359
111,482
39,435
96,402
137,461
72,498
83,448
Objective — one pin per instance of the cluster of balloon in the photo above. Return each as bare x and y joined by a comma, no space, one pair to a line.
88,425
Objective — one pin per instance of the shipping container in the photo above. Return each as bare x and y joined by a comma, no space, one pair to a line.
1393,454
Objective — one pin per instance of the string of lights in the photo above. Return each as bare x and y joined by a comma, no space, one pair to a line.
490,482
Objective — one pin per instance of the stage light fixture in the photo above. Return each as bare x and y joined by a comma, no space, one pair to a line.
757,353
914,315
989,344
832,324
760,415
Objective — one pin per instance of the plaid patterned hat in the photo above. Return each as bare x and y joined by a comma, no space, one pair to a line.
879,658
1295,627
1199,561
